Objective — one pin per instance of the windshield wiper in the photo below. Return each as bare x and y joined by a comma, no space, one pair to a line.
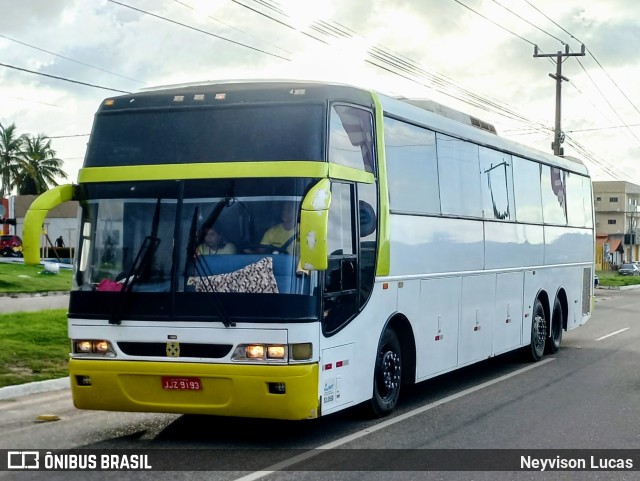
141,263
200,266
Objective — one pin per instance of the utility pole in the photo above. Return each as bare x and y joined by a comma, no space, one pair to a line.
558,136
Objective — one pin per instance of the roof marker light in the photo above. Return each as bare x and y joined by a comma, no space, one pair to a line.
109,102
198,97
298,91
178,98
220,96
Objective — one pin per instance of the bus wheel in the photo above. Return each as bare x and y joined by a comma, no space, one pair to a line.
538,332
388,374
555,333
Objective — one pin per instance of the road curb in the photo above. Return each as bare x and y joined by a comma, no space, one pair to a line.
619,288
19,390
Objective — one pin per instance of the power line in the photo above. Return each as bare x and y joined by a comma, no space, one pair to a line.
67,136
34,101
607,101
198,30
231,26
528,22
70,59
588,51
275,19
63,78
603,128
495,23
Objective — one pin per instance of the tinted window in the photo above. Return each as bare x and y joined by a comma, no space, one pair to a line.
340,235
459,173
497,184
526,181
351,137
578,203
588,203
172,136
553,183
412,168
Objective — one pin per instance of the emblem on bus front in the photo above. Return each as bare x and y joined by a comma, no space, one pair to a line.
173,349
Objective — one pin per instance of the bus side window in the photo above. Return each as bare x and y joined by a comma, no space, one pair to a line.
341,277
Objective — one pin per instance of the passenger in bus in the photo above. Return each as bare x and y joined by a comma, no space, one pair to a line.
213,243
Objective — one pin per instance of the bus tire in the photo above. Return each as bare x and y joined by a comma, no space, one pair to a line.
387,377
538,332
555,332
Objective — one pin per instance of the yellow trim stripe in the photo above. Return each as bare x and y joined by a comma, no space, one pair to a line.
337,171
222,170
383,266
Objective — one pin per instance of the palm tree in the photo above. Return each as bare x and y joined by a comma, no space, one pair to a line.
40,166
11,162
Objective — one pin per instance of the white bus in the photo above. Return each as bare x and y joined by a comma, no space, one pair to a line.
424,242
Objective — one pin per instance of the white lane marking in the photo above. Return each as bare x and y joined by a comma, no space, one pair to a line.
612,334
351,437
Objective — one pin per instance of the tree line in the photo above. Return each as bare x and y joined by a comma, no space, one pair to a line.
28,163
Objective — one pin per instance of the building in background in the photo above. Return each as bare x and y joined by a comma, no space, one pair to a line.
60,221
617,219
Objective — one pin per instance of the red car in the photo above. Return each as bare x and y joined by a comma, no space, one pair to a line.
10,246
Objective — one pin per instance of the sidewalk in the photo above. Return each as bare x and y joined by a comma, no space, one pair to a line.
33,302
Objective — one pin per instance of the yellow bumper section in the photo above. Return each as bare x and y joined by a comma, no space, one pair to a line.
225,390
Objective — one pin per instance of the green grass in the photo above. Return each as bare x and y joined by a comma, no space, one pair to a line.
613,279
35,346
16,278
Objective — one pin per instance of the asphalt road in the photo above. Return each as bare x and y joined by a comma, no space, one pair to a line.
584,397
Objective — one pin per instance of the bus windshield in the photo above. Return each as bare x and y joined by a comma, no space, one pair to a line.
201,237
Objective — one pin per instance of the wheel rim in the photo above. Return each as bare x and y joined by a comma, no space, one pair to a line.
389,376
539,332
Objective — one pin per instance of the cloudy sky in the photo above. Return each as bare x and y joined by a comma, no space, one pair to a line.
473,55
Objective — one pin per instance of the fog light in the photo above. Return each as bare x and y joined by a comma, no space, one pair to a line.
83,380
276,388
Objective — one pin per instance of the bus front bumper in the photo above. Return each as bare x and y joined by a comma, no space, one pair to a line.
224,390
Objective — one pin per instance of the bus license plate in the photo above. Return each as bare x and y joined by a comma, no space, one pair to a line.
181,383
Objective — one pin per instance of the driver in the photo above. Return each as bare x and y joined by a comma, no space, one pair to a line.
281,235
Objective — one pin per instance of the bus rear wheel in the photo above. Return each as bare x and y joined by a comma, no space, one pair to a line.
538,332
555,333
388,374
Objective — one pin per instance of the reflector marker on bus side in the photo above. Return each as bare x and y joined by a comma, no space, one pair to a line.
329,366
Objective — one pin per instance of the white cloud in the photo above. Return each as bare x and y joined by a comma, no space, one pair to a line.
440,36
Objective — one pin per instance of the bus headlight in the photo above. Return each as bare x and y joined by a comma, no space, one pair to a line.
276,352
93,346
273,352
255,351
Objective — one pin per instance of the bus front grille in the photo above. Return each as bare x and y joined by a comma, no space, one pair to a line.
158,349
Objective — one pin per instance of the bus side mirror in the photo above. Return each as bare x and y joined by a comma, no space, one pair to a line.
34,219
314,221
